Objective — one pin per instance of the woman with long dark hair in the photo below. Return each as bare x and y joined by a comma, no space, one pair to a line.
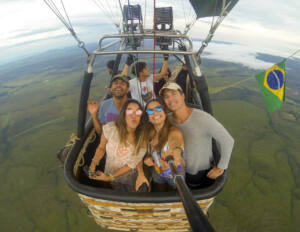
125,148
164,140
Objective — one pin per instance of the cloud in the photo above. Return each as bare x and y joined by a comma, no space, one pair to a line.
22,33
235,53
26,43
269,13
271,28
16,1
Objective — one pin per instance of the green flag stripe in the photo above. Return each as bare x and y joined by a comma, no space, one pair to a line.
273,103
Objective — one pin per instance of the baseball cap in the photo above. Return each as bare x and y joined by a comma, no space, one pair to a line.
170,85
121,77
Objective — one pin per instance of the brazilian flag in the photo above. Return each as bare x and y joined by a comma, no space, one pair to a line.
272,85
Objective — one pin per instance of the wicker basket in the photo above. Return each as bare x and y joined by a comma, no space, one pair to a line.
140,216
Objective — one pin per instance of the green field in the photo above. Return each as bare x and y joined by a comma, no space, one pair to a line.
39,112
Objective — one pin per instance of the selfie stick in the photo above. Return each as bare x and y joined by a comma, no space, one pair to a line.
198,221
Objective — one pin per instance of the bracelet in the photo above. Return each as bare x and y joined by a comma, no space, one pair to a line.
112,178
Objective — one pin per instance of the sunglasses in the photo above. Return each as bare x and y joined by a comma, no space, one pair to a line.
137,112
157,109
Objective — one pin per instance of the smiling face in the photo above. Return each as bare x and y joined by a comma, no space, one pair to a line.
119,88
174,99
133,116
155,112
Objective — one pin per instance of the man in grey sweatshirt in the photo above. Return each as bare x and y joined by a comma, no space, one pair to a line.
198,129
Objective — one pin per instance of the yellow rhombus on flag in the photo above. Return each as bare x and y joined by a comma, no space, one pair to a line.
272,85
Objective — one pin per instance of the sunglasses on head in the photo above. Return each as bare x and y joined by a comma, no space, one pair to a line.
157,109
138,112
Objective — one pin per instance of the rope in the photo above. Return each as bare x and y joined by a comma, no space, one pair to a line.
212,30
154,40
66,22
110,16
145,14
62,154
62,3
190,18
80,159
120,5
182,4
73,139
293,54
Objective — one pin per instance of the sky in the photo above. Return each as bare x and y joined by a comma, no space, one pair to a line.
29,27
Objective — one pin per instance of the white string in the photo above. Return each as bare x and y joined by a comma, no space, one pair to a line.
293,54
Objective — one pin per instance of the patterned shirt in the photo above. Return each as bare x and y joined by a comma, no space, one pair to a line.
119,155
142,91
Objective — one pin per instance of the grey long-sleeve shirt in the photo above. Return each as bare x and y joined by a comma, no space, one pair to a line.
198,131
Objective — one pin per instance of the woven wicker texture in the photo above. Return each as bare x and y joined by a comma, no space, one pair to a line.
140,216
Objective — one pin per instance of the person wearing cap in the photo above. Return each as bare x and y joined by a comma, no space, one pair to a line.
141,87
198,129
109,109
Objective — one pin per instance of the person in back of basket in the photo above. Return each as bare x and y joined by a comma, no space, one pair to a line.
109,109
141,87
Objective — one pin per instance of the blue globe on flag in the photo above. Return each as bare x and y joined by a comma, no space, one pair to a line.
275,79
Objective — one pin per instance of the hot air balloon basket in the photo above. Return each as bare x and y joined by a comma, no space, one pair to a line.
123,216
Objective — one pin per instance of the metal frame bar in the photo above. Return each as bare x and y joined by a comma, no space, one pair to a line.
122,37
97,52
111,44
146,36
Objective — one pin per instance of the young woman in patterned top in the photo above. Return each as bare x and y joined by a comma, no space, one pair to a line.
125,147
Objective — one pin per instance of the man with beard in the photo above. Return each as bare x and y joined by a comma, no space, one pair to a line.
198,129
109,109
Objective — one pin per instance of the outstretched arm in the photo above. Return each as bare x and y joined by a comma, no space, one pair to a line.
176,145
93,108
164,68
141,178
98,155
226,142
129,61
125,71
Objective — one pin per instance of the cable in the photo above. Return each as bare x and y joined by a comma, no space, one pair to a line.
145,14
67,22
154,39
110,16
293,54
